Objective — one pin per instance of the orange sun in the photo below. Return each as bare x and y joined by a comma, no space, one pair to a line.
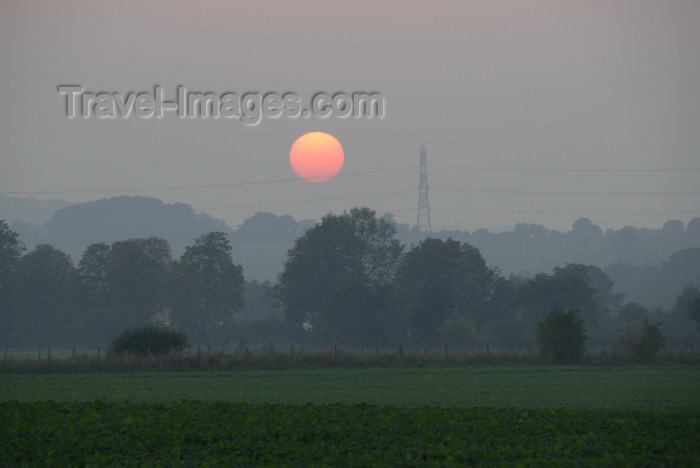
316,156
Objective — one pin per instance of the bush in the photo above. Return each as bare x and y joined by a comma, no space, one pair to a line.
153,340
642,338
561,336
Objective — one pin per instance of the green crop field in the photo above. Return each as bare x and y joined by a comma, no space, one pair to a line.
228,434
363,416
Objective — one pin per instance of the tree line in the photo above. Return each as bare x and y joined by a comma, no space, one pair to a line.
347,280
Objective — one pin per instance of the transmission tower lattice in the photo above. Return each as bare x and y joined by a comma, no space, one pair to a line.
423,204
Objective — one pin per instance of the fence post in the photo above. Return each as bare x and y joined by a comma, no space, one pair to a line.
98,353
73,352
291,348
335,353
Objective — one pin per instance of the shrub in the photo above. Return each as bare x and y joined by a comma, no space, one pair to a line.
561,336
151,339
642,338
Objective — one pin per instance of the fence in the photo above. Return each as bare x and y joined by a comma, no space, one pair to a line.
275,354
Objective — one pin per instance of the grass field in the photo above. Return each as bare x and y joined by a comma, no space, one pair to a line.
519,386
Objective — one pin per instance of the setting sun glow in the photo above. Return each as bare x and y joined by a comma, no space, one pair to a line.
316,156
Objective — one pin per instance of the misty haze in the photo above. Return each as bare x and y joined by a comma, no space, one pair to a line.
350,234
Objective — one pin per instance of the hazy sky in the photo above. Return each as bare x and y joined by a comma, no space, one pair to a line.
594,105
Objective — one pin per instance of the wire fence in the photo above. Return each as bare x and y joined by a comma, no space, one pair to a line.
276,354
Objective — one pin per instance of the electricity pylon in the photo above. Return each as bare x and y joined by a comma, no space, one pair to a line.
423,223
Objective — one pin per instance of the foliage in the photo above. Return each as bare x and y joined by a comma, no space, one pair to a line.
267,227
188,433
694,311
355,249
138,273
93,295
687,295
258,300
447,280
10,251
148,340
583,287
206,286
630,310
642,338
687,305
562,336
457,331
42,296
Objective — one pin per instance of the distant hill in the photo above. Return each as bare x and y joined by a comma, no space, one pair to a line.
120,218
29,209
108,220
657,285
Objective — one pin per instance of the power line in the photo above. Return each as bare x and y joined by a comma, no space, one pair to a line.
543,192
187,187
481,210
532,169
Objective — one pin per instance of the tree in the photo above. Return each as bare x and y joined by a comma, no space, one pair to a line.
207,285
693,227
673,227
93,294
562,336
693,311
583,228
532,231
42,297
446,280
683,300
582,287
137,274
630,310
267,227
642,338
10,252
259,304
354,249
